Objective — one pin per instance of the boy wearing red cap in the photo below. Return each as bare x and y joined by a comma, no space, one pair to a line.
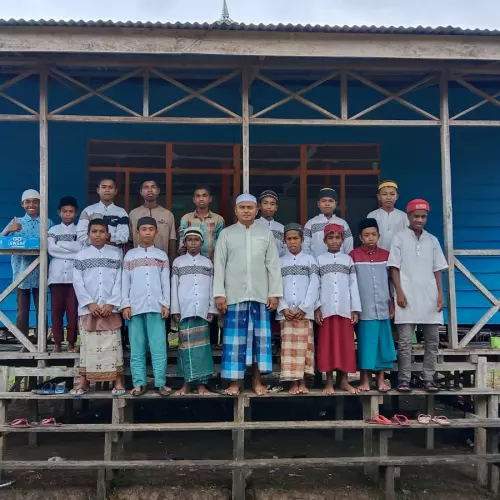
390,220
416,262
314,243
339,308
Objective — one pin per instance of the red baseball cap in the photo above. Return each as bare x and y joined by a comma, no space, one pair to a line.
417,204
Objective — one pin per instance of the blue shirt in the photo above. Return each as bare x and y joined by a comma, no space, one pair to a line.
30,228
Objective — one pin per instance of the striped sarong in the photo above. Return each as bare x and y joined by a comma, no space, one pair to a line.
246,340
194,363
297,349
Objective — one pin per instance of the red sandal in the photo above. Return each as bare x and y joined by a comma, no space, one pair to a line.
401,420
380,420
441,420
20,422
49,422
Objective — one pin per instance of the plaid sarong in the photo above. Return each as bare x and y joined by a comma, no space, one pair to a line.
246,340
297,349
195,363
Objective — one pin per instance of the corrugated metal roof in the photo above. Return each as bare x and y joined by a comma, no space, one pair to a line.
383,30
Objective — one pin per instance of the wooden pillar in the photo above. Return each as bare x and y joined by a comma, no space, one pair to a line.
481,410
343,95
239,481
237,176
493,444
44,211
448,211
342,196
245,131
429,433
4,387
225,193
303,184
127,191
168,175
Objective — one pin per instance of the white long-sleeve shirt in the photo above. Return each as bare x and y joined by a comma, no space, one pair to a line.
192,286
278,232
314,235
97,278
145,280
300,276
63,248
115,217
339,294
389,224
247,265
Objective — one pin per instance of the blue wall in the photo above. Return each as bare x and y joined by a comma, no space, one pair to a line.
409,155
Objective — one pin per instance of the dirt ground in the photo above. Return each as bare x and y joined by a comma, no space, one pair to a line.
416,483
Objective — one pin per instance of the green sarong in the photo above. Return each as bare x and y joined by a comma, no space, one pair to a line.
194,363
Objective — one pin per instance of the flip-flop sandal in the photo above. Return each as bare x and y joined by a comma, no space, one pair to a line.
383,390
431,387
441,420
47,389
60,390
222,392
404,389
21,423
77,394
143,389
164,392
401,420
118,392
275,389
49,422
379,419
424,419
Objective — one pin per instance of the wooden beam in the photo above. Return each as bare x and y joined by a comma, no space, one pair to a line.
495,253
475,281
143,119
20,278
477,327
448,210
346,123
151,41
17,333
245,132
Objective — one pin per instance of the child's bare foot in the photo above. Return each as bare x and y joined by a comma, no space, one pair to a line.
329,389
203,390
58,348
303,387
233,389
346,386
381,384
72,348
259,388
185,389
294,388
364,387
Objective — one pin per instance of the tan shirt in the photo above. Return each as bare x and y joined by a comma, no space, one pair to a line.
166,225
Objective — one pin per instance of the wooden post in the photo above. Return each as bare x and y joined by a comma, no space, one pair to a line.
339,415
429,433
168,174
239,482
493,444
237,176
145,92
4,387
33,417
303,184
448,211
370,409
481,409
343,95
342,196
245,131
44,211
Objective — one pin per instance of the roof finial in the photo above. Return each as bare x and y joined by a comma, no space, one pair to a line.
225,18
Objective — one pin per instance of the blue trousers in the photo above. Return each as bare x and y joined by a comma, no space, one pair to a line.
144,329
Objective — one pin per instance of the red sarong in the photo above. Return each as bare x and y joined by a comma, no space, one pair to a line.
336,349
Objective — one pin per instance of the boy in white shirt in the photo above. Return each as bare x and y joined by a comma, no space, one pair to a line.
146,304
268,206
390,220
295,311
338,311
97,272
115,217
314,242
193,308
63,248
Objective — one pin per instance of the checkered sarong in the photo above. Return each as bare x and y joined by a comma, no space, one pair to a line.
297,349
246,340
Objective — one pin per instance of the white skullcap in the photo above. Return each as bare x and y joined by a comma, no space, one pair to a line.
193,231
30,194
246,197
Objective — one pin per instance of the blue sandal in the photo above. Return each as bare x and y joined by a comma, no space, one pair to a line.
77,394
118,392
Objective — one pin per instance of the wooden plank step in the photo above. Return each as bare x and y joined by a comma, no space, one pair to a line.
463,423
467,391
252,463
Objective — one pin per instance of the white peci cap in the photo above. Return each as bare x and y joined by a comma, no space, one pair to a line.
246,197
30,194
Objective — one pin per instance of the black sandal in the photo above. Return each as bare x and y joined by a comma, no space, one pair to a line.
404,389
431,387
164,392
142,390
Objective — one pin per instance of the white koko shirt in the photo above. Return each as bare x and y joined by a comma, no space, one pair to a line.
339,294
314,235
97,278
417,260
300,284
145,280
63,248
192,282
389,224
115,217
278,232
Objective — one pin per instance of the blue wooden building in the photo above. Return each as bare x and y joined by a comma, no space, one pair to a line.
242,108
